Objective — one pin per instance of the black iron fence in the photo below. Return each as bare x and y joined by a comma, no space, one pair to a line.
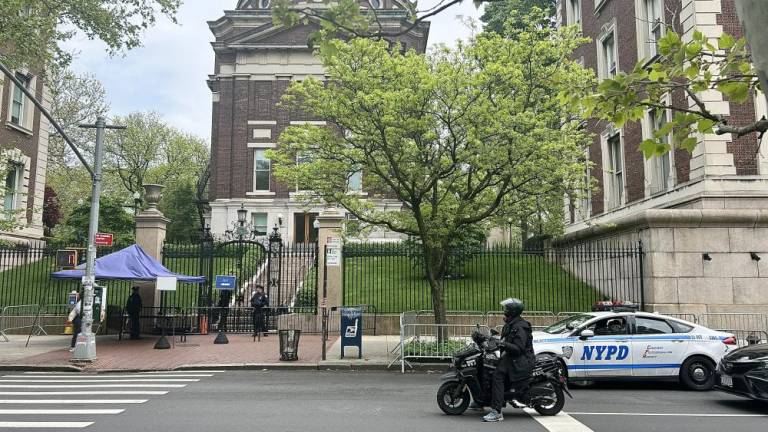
25,276
391,277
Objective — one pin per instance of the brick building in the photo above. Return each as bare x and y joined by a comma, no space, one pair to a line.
702,216
255,63
23,128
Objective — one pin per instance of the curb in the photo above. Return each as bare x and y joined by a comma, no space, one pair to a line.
321,366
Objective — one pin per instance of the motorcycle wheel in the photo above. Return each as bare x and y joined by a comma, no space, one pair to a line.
446,401
550,408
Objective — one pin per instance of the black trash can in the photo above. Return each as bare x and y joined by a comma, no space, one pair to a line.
289,344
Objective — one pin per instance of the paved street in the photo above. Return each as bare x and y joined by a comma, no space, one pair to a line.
332,401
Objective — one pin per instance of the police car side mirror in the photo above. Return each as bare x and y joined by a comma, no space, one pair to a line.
586,334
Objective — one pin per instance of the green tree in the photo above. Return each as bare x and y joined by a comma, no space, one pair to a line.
179,204
682,68
31,31
497,14
113,218
458,137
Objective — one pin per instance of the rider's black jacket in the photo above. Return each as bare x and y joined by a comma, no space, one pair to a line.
518,358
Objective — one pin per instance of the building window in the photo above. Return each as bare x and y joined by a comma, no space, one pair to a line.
585,202
615,170
654,27
609,56
18,103
261,168
259,222
574,12
376,4
661,165
263,4
11,191
355,182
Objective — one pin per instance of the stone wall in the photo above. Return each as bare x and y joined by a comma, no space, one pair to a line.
696,260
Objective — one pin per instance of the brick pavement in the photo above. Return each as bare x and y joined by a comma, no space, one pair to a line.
196,351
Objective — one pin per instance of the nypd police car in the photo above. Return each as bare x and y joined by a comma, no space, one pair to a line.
635,345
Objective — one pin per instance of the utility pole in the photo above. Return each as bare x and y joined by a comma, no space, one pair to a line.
85,349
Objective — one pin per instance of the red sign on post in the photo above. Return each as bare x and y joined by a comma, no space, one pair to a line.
103,239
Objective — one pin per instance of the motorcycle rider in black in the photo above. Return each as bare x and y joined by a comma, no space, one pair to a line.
517,359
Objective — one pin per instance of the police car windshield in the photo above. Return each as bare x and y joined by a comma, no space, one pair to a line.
567,324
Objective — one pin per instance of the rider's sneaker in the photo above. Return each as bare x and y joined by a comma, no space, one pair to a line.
493,416
474,406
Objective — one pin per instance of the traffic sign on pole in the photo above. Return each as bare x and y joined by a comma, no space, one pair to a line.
103,239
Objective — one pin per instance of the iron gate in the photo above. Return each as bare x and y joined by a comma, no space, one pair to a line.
288,274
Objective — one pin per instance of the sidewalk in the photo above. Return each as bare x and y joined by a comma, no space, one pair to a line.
52,352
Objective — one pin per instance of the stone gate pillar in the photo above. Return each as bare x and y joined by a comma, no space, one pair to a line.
150,236
329,234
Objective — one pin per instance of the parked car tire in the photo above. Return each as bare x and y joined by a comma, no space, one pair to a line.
698,373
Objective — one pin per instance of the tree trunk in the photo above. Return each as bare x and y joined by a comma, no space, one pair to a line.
433,264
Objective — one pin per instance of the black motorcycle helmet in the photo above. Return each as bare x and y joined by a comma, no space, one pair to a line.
513,307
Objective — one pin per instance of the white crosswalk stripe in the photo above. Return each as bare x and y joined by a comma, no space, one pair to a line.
46,400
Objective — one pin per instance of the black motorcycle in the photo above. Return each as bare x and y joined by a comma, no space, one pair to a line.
472,380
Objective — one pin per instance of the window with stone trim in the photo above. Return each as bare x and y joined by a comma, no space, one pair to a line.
573,12
608,44
12,189
355,182
259,222
19,101
615,171
661,165
653,20
261,170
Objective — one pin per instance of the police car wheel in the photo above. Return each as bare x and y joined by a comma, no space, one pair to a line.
448,403
698,373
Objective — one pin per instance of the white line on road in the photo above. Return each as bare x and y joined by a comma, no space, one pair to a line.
149,380
38,425
60,411
73,401
559,423
62,386
103,376
86,393
664,414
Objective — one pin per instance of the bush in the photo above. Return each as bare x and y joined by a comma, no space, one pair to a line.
418,348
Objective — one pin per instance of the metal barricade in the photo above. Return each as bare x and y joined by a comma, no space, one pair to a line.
538,319
35,317
734,321
683,316
433,341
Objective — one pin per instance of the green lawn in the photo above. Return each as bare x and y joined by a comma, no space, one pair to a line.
393,285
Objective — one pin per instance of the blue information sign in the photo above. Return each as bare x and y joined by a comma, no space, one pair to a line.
225,283
352,329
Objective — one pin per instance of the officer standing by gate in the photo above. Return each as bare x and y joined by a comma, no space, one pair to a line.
259,301
133,309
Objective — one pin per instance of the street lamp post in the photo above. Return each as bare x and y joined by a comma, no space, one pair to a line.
85,348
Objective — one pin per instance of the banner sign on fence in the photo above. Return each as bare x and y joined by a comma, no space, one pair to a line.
225,283
351,329
164,283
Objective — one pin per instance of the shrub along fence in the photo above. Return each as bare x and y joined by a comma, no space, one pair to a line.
390,276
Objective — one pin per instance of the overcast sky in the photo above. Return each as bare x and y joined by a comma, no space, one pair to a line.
168,73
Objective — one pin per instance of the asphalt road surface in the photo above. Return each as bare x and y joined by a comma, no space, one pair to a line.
338,401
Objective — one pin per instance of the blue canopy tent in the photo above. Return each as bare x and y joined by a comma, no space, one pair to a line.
131,263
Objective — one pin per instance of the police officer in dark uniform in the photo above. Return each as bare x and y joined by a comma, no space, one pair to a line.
259,301
517,360
133,309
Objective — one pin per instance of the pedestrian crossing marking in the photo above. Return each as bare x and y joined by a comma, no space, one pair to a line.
96,381
60,411
102,376
63,386
32,398
72,401
84,393
41,425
